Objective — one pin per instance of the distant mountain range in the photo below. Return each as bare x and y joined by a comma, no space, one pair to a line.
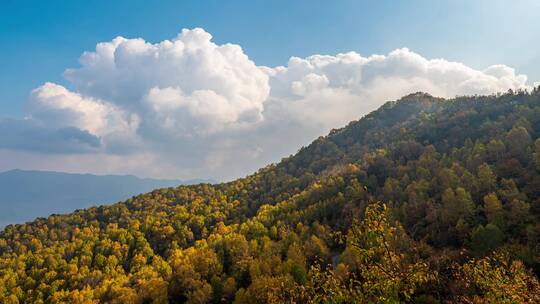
25,195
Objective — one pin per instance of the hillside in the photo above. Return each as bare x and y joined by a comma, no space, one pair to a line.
25,195
425,200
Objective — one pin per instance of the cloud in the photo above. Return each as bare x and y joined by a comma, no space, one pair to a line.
26,136
320,92
54,105
188,107
188,82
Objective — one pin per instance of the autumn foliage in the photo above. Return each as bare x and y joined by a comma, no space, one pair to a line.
422,201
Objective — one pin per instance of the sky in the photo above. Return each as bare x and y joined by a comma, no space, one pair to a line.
217,89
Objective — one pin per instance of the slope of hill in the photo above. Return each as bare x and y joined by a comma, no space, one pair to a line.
460,184
25,195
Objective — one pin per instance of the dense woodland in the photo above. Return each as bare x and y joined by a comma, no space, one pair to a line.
425,200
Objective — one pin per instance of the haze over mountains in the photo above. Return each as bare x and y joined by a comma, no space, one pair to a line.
25,195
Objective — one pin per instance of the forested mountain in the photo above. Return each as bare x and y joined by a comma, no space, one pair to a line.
25,195
425,200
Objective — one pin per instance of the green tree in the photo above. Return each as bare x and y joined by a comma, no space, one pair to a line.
486,179
373,247
485,239
536,154
517,141
493,209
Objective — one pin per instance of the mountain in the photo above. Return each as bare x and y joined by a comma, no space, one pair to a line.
425,200
25,195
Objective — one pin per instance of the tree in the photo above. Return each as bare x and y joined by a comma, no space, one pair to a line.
375,256
457,207
517,141
495,150
486,179
518,214
485,239
536,154
497,279
493,209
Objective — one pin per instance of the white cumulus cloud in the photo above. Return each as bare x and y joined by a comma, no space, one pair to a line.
188,107
189,82
332,90
54,105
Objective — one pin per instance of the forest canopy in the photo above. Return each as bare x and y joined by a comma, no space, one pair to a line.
425,200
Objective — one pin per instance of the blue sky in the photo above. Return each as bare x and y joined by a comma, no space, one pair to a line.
40,39
180,104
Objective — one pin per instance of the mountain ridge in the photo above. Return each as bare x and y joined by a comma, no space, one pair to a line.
180,181
30,193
